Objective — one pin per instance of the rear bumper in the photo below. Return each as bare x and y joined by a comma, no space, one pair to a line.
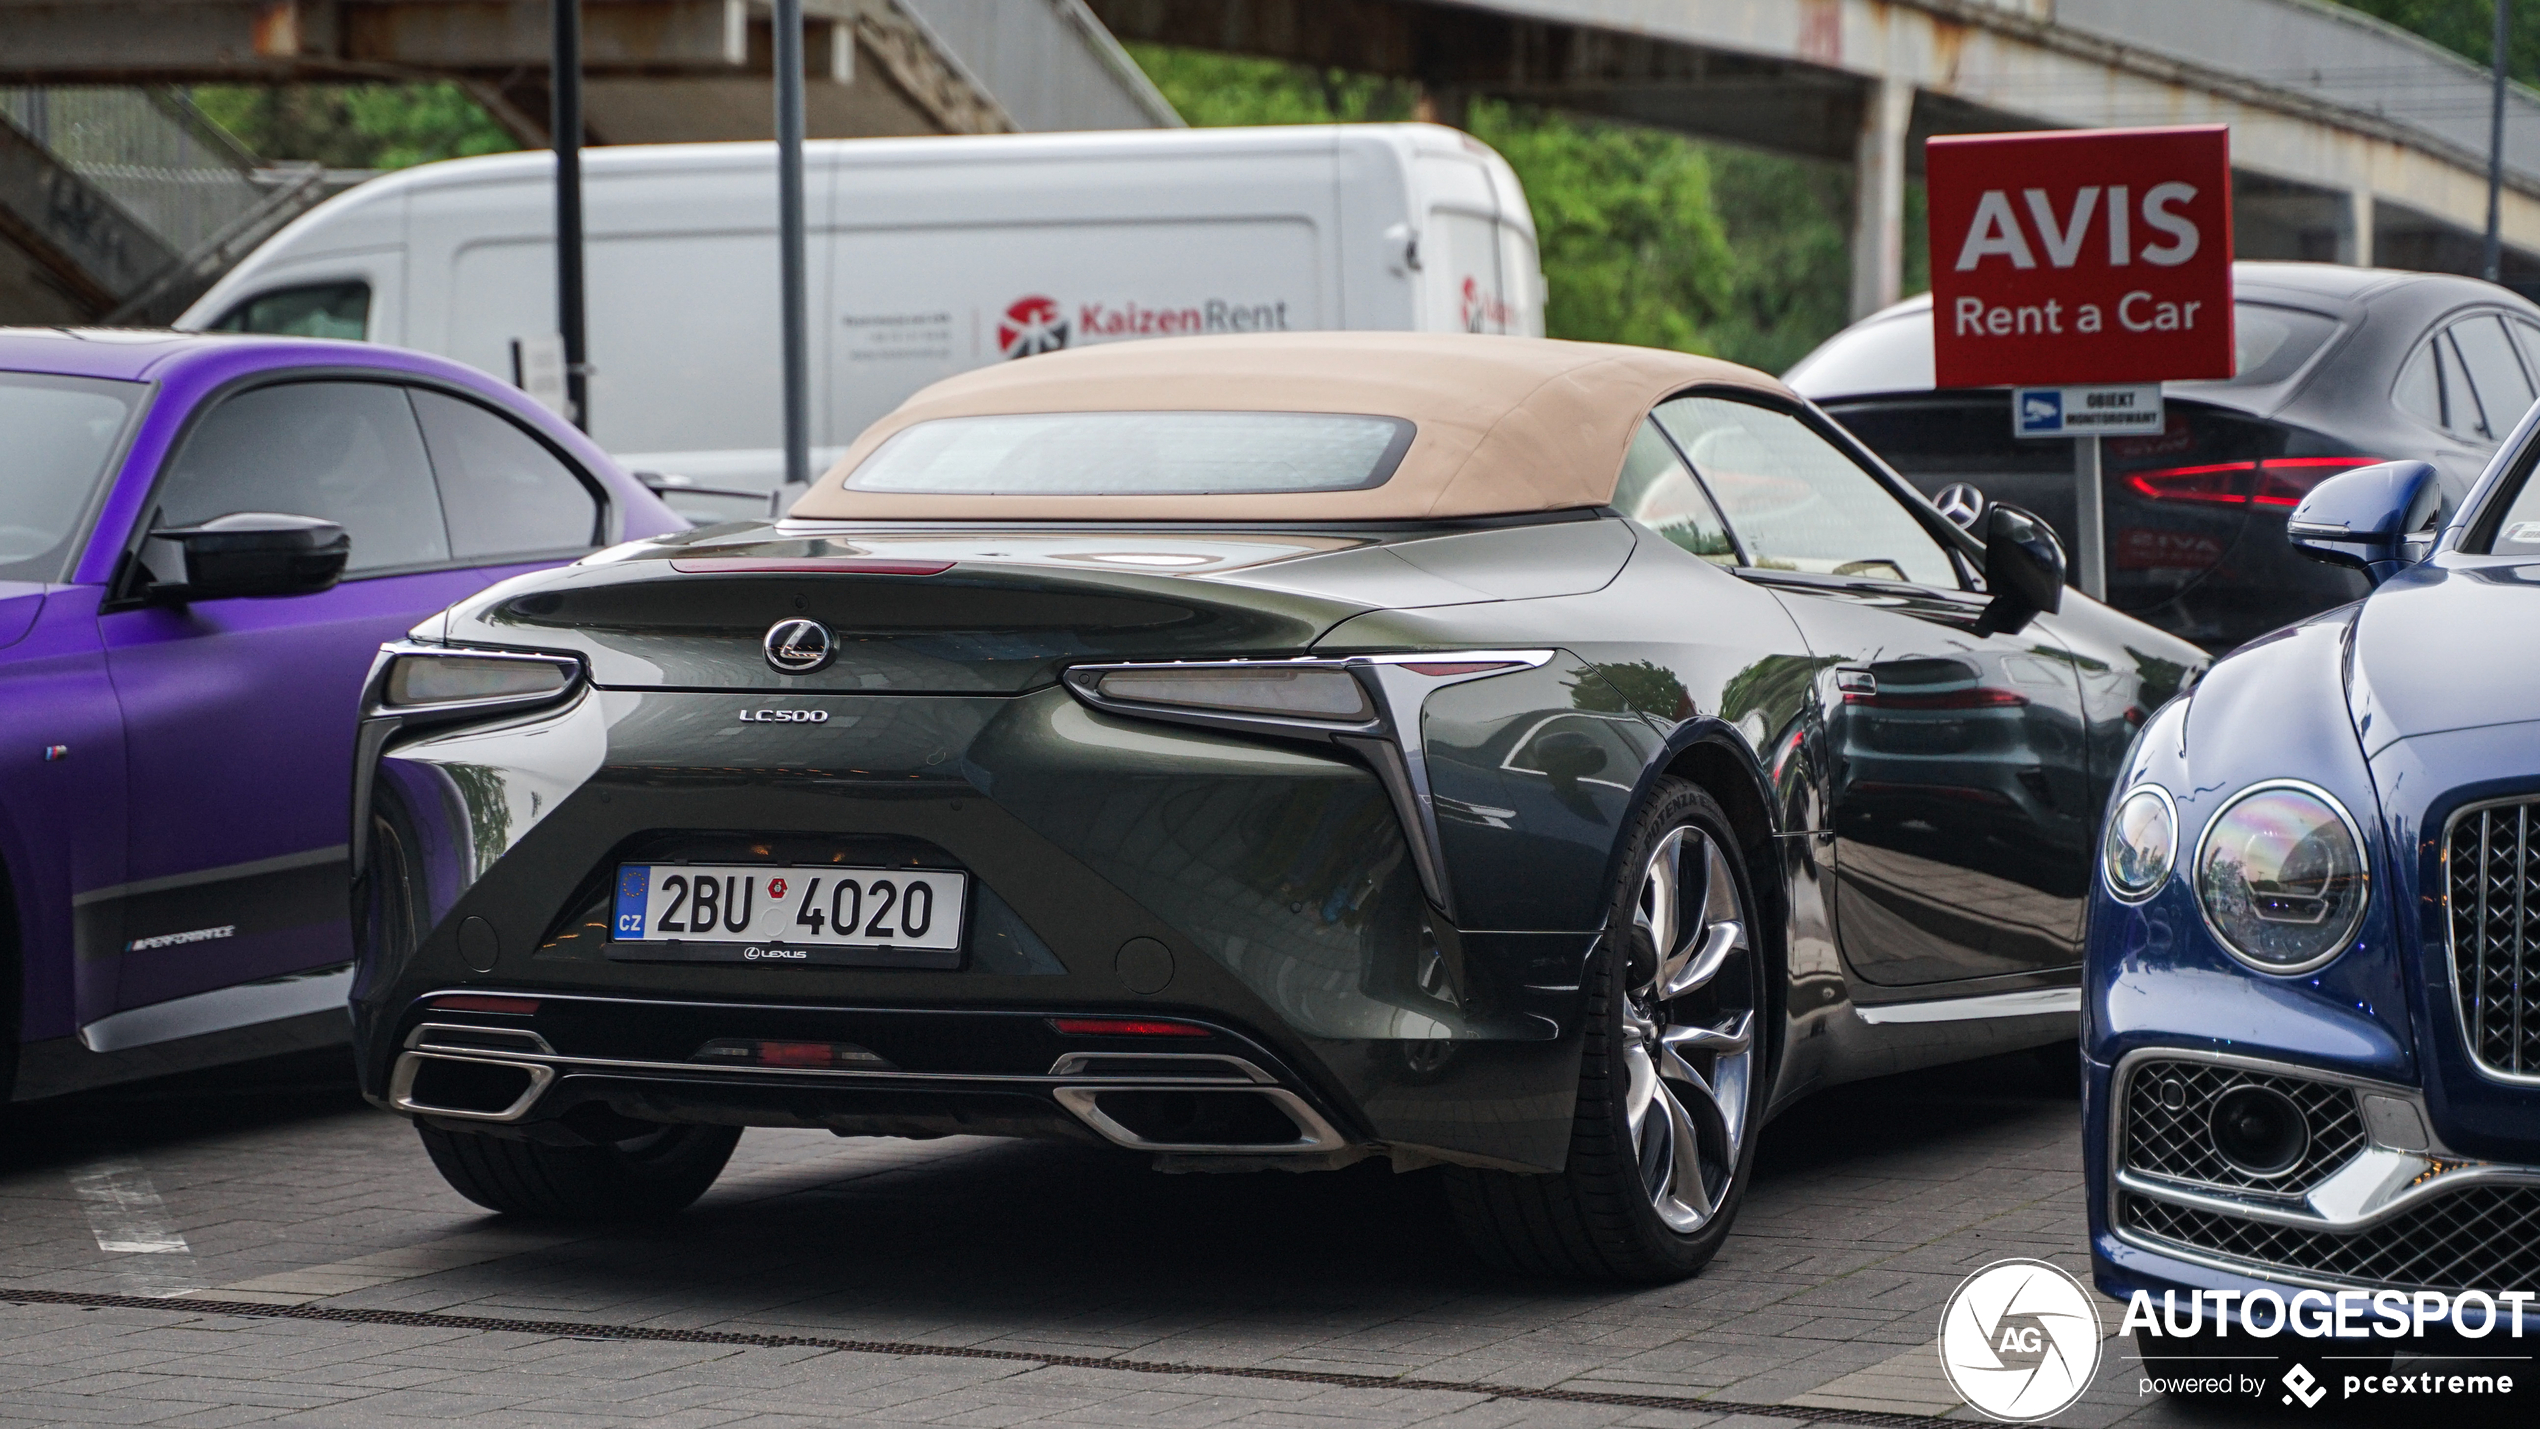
1209,1091
1275,882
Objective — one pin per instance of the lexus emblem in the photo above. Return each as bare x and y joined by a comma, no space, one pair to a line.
798,647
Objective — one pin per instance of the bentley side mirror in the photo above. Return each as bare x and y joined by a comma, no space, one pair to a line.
246,553
2023,567
2375,519
1962,502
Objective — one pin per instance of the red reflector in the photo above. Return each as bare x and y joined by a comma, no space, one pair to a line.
809,565
797,1054
1975,699
1125,1027
2277,481
473,1003
1468,668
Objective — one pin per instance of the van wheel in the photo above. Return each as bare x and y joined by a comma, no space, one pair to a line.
653,1174
1671,1081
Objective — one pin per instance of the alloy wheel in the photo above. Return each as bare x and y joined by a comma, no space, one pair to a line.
1688,1028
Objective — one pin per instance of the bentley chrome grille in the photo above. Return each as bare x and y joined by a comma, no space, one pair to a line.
2168,1106
2492,884
2477,1238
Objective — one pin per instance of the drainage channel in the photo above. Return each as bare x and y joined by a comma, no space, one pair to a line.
574,1329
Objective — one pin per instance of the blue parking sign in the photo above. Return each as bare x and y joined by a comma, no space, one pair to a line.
2041,411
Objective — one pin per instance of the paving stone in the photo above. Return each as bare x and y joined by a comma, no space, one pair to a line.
1870,1204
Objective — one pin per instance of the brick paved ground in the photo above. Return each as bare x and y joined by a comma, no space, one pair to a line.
275,1184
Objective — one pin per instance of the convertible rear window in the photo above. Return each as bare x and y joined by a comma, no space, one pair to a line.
1138,454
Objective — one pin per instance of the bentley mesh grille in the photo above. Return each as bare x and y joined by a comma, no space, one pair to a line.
2166,1127
2482,1238
2494,891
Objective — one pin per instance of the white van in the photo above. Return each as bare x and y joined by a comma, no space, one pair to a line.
927,257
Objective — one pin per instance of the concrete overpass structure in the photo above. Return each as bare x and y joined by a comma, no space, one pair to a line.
77,245
2352,140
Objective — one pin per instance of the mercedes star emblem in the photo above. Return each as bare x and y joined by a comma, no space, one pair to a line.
798,647
1962,502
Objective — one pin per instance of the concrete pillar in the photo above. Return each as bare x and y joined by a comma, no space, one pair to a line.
1878,196
2359,218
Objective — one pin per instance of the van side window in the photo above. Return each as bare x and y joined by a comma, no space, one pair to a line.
311,310
503,491
345,452
1656,490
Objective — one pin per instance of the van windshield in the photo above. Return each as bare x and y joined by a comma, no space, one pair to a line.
1138,454
62,431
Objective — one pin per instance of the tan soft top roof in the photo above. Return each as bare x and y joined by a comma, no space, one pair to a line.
1505,424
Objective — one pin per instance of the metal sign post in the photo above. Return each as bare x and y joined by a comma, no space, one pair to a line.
565,81
2084,414
789,238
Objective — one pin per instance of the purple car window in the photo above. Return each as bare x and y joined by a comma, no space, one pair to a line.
62,431
346,452
504,492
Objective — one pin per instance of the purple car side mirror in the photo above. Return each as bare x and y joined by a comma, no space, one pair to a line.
246,553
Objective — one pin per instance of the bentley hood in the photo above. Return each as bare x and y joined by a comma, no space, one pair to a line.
2437,649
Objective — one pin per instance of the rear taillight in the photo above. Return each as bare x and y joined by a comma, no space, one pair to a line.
2280,481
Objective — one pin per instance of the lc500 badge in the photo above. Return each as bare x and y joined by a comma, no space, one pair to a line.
785,716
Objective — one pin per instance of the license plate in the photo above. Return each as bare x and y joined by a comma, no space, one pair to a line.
755,913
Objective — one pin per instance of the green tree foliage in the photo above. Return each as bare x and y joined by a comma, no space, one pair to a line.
1647,237
2465,27
355,126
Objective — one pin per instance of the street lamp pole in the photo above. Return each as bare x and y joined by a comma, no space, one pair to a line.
789,238
2495,255
565,81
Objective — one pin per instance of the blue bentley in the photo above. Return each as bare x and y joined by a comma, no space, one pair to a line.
2311,1009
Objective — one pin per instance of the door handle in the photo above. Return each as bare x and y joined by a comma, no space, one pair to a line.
1856,682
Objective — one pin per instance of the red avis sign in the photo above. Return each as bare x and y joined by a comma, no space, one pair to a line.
2084,256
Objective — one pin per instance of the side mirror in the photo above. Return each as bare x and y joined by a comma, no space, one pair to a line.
245,553
2023,567
2374,519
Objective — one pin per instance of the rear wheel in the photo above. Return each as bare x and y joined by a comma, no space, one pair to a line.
652,1174
1671,1078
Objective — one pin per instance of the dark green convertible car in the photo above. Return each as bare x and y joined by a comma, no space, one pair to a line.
1541,760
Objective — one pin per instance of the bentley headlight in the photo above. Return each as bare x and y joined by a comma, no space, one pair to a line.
2281,877
2141,845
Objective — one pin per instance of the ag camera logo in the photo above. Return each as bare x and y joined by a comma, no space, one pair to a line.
2019,1340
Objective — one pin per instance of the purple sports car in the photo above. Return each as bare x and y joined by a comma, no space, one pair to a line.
203,542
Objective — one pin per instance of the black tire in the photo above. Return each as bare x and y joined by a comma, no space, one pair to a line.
650,1175
1599,1218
